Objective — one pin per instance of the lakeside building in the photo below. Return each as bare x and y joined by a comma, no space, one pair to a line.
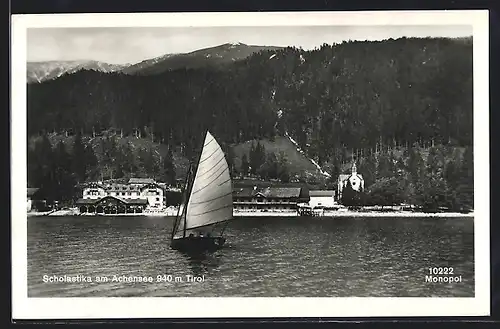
269,198
30,195
35,201
136,196
354,178
322,198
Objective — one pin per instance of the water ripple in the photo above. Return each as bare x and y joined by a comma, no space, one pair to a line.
263,257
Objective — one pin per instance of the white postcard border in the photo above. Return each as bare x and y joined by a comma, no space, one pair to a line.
188,307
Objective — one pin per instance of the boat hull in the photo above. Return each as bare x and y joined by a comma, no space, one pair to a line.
198,243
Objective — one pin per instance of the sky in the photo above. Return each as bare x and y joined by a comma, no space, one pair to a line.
122,45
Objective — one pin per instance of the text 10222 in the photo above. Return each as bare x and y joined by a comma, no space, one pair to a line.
441,270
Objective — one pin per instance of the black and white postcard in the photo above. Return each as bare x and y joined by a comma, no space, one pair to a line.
301,164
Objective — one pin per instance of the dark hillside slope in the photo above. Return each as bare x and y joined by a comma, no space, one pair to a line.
209,57
335,101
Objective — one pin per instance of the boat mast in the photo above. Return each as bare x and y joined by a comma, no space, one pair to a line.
186,200
177,219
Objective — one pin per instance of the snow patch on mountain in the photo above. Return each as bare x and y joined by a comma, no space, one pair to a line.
299,149
41,71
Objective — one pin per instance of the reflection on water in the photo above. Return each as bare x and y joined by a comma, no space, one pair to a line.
262,257
202,263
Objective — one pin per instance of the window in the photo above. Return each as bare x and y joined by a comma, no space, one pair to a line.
157,199
157,192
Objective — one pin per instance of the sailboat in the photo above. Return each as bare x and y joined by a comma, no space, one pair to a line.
207,202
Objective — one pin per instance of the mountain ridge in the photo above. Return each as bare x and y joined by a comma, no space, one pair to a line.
39,71
205,57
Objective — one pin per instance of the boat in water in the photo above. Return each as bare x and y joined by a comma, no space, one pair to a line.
207,202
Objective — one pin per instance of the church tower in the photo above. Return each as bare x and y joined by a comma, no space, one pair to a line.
354,170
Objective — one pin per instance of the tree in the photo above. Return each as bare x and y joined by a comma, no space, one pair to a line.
146,162
40,158
269,169
109,157
169,168
64,183
260,155
386,191
78,159
257,157
434,185
453,175
283,171
368,169
385,167
91,162
230,160
253,159
465,184
349,196
415,165
244,165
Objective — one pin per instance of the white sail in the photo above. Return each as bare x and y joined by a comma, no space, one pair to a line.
211,200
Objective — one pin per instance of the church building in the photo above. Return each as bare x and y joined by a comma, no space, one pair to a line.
354,178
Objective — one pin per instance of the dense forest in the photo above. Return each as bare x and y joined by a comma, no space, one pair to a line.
356,100
60,171
441,179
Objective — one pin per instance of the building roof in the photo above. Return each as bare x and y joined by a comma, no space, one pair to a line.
281,192
268,192
343,177
32,190
141,181
116,187
243,192
92,185
150,185
319,193
87,201
121,188
137,201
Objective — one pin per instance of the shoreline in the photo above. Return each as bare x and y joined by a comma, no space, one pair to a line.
325,214
365,214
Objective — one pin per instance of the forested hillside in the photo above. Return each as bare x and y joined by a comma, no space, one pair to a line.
355,99
202,58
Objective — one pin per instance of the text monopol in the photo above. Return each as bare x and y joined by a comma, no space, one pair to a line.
443,279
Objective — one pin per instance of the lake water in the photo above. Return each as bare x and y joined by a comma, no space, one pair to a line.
265,257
